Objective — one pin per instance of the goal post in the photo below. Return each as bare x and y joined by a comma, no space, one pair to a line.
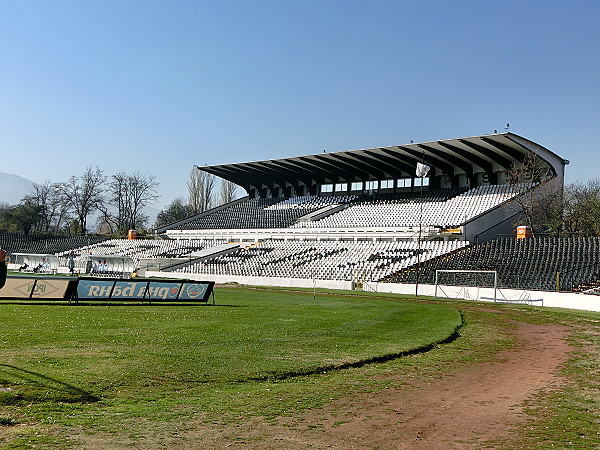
466,284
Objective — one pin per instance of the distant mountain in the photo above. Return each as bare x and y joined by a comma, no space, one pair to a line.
13,188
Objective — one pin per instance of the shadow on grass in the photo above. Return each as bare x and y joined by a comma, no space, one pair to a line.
157,303
63,303
363,362
54,390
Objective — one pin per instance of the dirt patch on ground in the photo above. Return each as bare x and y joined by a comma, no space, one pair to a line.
480,404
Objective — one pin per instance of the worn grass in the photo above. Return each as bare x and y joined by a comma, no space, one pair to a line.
147,376
106,369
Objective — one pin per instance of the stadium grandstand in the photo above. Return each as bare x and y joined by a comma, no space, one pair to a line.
46,244
376,192
372,218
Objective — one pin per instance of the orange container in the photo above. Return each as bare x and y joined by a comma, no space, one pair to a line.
132,234
524,232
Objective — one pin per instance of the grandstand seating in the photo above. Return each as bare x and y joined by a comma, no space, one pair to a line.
310,202
440,207
436,207
138,249
252,213
45,244
329,260
521,264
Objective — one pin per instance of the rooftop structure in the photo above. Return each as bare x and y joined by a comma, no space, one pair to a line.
462,162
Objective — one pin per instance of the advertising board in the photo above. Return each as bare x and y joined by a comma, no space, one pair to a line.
143,290
106,289
37,288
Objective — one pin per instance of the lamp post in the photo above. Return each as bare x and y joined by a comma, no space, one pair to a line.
422,171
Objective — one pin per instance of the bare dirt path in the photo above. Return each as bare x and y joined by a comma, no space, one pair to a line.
481,403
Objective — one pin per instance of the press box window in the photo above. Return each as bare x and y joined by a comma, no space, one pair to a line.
421,182
371,185
404,183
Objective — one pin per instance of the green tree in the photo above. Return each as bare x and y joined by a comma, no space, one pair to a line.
74,228
174,212
25,216
6,224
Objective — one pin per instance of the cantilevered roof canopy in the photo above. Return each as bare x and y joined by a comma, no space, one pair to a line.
488,154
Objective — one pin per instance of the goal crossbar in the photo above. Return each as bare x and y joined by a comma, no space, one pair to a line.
470,274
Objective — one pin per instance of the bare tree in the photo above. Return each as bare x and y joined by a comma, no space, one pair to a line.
53,206
200,187
228,191
540,195
84,194
129,194
547,206
582,208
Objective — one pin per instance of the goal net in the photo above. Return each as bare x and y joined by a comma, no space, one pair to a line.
466,284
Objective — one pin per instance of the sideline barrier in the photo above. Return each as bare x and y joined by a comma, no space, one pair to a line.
73,289
38,288
144,290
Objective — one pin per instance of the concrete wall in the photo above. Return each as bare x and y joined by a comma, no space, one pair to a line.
567,300
497,222
538,298
258,281
309,234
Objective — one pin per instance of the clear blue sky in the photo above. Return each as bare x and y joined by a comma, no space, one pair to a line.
158,86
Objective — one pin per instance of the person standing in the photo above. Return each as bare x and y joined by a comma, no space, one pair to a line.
2,268
71,263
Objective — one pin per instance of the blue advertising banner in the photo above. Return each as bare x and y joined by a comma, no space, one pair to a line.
127,289
97,289
163,290
143,290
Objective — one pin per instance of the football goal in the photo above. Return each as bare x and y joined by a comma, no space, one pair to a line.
466,284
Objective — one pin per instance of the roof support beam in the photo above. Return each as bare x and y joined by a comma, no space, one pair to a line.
395,167
409,163
329,170
288,173
230,174
353,159
488,153
463,165
516,155
443,166
469,156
